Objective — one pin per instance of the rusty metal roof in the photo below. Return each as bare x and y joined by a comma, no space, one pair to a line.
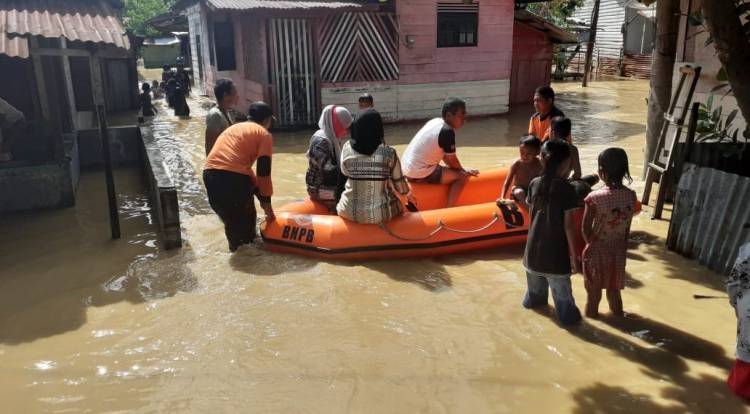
279,4
83,20
14,46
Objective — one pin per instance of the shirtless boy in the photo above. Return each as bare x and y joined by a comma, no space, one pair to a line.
523,170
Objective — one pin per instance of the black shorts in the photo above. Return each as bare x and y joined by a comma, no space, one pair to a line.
434,178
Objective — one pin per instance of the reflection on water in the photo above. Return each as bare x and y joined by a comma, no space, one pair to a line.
91,324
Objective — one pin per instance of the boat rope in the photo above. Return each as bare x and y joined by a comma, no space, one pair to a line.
483,228
392,234
440,226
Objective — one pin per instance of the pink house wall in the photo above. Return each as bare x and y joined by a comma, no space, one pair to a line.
426,63
247,45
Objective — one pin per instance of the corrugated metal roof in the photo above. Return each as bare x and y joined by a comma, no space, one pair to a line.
279,4
84,20
14,46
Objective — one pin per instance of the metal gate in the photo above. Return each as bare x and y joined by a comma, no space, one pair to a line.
293,72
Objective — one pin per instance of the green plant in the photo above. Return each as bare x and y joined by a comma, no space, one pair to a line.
556,11
138,12
712,126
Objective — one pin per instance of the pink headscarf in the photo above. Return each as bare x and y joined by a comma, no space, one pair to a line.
333,123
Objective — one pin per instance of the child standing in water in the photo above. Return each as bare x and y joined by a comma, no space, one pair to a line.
147,108
606,226
550,255
523,170
155,91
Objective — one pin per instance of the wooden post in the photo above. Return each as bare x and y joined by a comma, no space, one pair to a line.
69,85
114,220
590,46
39,75
101,115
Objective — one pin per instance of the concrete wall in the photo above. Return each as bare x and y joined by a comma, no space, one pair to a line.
162,192
36,187
41,186
124,146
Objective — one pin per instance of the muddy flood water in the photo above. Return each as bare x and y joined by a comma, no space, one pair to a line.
93,325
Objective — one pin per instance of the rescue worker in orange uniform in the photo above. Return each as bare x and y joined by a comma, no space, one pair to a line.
541,121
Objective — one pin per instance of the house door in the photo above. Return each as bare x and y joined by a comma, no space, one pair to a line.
293,72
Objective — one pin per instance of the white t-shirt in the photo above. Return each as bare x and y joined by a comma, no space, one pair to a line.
428,148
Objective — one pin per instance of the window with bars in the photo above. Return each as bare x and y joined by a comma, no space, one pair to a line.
457,24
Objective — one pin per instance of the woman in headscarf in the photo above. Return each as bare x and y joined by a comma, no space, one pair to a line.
374,173
325,183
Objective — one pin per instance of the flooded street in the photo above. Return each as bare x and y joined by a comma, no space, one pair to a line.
93,325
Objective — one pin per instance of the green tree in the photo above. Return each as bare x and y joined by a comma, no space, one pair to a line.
137,12
556,11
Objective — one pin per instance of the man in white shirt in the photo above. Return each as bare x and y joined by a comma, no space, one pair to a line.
12,125
219,118
436,142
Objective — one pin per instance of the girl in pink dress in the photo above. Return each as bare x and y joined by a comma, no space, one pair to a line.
606,226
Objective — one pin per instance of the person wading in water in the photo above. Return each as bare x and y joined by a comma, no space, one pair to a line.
230,180
219,118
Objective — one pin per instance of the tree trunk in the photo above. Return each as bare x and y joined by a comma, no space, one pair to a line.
591,42
662,69
732,47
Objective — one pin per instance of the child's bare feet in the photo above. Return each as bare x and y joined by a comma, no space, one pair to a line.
592,311
618,313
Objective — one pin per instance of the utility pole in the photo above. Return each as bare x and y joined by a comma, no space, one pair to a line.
590,46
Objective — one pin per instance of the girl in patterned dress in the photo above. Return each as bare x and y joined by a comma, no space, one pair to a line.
606,226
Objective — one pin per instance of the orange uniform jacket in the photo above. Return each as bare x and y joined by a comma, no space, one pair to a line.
238,148
539,125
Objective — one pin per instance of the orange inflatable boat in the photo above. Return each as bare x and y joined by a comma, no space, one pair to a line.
476,222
